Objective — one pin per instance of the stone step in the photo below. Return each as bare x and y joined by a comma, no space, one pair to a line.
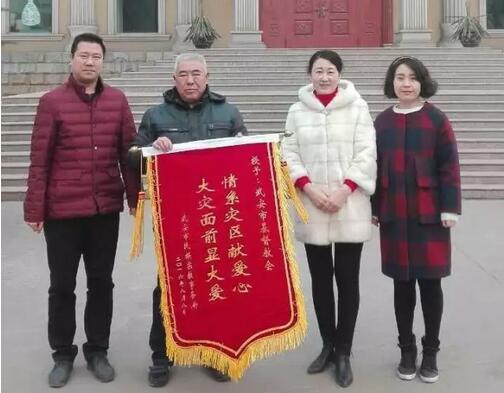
301,58
281,74
405,51
482,177
464,143
347,62
395,51
469,191
483,191
447,106
14,179
13,161
236,70
281,113
460,125
266,123
294,87
15,156
471,99
445,95
13,193
15,145
467,177
478,164
461,132
484,153
22,143
299,80
475,133
16,136
10,168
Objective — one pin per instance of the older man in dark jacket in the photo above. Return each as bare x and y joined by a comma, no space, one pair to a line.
190,112
79,150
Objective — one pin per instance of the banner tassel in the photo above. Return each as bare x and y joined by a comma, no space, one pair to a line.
292,192
137,236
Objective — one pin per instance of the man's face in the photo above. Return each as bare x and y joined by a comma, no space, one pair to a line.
87,62
191,80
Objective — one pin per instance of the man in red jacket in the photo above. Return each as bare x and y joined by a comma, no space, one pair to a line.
76,184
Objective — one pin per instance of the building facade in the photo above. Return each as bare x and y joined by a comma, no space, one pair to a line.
160,25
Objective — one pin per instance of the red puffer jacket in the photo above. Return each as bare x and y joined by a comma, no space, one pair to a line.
79,150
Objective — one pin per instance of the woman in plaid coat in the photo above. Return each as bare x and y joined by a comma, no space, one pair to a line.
417,201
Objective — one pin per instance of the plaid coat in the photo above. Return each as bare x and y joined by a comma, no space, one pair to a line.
418,179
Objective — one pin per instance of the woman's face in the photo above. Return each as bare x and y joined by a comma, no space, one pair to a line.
406,86
324,76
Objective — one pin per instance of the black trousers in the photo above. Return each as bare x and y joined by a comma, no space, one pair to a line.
95,239
157,337
345,267
431,295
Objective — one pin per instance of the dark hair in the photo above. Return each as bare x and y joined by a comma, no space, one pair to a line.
328,55
87,37
428,86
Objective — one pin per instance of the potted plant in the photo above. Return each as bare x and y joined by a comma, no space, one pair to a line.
468,29
201,32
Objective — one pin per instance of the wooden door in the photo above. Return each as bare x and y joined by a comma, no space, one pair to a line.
321,23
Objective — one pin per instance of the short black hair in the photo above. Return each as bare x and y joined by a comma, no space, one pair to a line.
428,86
87,37
328,55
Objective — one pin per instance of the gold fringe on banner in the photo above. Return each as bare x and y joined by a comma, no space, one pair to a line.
137,236
260,348
292,193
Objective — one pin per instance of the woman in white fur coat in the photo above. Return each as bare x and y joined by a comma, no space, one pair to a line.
330,149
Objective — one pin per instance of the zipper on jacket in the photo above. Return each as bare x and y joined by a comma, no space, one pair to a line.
92,105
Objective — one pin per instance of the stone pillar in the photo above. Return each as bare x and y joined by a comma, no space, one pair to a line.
413,29
82,17
187,10
5,17
246,31
452,9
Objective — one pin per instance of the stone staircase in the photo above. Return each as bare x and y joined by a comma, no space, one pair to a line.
263,83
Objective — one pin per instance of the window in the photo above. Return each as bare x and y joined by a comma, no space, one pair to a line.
135,16
30,16
495,14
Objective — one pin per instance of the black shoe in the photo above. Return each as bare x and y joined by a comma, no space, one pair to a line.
343,370
159,374
322,360
428,369
217,375
407,366
60,374
101,368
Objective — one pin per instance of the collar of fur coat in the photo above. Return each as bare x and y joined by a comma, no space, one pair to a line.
346,95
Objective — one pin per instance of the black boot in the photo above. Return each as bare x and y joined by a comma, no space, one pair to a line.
322,360
217,375
428,370
343,370
407,366
159,373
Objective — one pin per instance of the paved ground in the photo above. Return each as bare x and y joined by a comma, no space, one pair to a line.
471,359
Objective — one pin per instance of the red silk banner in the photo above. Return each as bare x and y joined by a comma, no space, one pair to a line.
230,286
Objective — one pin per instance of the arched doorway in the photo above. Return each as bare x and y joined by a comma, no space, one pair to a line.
324,23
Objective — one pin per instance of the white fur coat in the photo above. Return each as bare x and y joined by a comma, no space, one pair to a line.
331,144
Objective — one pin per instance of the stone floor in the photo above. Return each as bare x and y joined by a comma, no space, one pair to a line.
471,358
